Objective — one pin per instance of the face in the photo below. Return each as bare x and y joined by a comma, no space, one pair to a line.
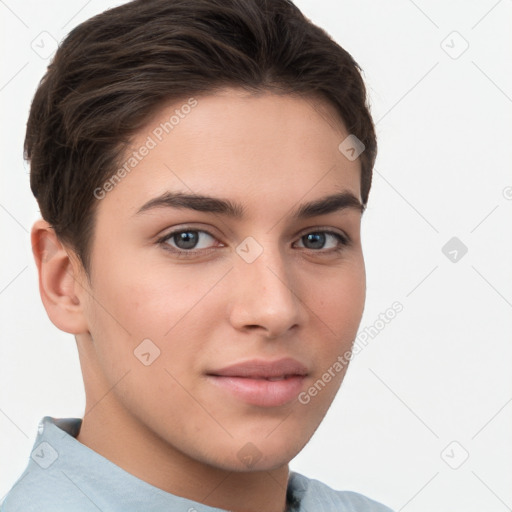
227,278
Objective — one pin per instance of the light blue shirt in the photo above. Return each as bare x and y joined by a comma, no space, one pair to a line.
64,475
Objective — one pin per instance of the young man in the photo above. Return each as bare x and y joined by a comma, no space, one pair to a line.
201,167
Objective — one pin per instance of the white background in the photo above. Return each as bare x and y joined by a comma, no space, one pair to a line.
441,370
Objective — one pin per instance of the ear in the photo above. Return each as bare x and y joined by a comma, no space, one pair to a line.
62,283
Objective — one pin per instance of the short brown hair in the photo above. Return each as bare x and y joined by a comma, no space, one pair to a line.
112,72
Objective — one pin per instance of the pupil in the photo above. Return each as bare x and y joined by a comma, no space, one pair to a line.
186,239
314,240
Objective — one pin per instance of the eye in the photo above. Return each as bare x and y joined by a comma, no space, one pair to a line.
327,240
188,240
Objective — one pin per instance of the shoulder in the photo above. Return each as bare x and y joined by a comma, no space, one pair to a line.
315,495
40,491
49,482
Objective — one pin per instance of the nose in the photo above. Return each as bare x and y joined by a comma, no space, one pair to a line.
263,296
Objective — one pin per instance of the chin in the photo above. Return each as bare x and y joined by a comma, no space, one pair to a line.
260,462
264,455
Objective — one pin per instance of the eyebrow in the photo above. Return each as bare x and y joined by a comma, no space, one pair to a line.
201,203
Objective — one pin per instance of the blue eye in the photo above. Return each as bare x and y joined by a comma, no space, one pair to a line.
188,239
187,242
323,240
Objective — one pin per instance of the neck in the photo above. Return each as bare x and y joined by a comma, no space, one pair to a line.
108,428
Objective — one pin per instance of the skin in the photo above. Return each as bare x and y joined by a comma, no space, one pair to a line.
270,153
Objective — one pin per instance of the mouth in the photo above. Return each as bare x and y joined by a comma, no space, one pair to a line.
262,383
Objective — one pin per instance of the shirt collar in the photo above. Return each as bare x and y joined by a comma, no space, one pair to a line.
59,453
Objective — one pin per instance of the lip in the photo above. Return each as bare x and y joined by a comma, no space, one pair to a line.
260,382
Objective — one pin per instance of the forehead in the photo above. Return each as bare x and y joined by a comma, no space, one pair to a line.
237,144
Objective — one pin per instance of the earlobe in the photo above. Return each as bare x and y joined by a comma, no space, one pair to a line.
61,286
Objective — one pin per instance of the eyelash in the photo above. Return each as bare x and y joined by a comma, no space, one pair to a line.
343,240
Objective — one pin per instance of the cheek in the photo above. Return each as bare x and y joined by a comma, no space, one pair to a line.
337,305
144,296
164,303
338,299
